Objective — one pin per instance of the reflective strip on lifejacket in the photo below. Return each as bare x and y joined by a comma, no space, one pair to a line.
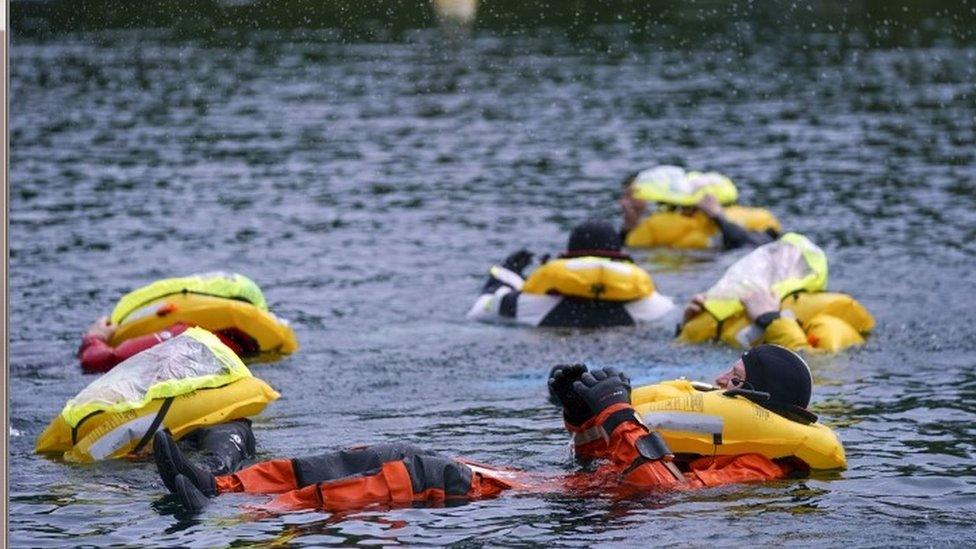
590,435
111,441
685,422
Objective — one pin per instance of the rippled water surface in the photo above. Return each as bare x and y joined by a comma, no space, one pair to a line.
368,185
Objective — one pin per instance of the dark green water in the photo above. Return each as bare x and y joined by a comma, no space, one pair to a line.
368,184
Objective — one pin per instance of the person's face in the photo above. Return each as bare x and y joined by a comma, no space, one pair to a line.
737,370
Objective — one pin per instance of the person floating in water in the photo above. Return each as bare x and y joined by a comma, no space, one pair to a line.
592,284
777,294
635,458
690,212
192,383
229,305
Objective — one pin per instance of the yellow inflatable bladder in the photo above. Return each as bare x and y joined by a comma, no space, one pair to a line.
753,219
590,277
184,383
696,419
214,301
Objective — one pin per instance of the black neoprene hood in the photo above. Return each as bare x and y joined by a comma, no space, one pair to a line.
594,235
779,372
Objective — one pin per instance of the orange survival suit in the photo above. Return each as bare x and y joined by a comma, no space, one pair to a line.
399,474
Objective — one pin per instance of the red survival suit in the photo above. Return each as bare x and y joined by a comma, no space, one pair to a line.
403,474
98,356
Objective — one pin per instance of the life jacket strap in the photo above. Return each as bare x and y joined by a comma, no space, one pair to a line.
154,426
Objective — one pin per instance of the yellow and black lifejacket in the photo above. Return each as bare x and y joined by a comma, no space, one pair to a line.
696,419
184,383
214,301
590,277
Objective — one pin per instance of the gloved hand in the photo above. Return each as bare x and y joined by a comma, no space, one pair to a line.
561,379
518,261
602,389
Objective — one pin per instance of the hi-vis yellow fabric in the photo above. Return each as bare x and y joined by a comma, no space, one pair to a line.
788,265
591,277
190,381
228,286
705,422
673,185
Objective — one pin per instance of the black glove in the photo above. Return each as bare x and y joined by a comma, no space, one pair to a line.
602,389
518,261
561,379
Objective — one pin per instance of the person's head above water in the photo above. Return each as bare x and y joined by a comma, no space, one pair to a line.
771,369
596,238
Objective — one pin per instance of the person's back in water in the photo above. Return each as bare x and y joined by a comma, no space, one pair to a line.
592,284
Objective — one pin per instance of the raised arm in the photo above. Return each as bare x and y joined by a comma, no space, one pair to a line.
733,234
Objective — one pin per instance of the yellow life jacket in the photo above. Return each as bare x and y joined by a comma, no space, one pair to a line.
228,286
212,301
673,185
673,229
184,383
790,264
705,422
831,321
592,278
